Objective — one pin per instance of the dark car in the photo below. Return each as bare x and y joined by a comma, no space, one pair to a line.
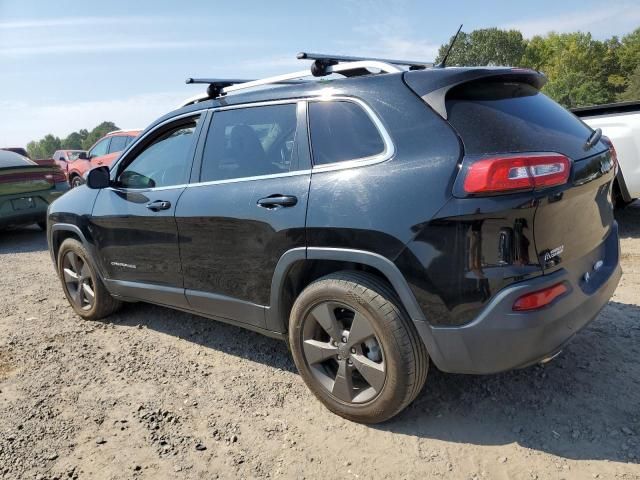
27,189
374,222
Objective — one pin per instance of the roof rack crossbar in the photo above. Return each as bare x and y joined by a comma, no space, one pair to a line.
343,58
319,68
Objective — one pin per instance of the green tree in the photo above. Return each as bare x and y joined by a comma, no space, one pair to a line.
633,88
489,46
73,141
97,133
629,52
581,70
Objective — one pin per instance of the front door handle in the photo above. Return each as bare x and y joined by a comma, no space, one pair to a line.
159,205
277,200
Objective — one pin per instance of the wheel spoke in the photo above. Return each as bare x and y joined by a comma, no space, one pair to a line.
73,262
343,384
372,372
76,294
325,316
84,271
88,292
316,351
70,275
360,330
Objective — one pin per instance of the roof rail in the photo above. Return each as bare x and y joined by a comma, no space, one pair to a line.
322,65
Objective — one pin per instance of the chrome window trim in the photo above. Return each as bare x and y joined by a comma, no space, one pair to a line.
386,154
389,148
143,136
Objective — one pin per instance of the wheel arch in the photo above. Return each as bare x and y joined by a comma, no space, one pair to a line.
300,266
59,232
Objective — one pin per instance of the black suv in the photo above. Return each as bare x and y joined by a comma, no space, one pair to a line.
375,222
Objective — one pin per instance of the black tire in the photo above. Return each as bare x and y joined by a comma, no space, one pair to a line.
75,181
102,304
404,357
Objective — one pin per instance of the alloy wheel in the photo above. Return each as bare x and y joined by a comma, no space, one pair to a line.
76,182
78,281
343,352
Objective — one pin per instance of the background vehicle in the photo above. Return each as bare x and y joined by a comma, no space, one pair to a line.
27,189
18,150
621,123
374,221
103,152
64,158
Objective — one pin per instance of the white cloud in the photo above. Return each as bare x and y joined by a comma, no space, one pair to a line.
32,121
77,21
80,47
606,21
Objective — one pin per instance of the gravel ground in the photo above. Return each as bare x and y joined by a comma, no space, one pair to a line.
153,393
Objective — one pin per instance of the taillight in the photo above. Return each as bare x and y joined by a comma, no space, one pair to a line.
539,299
516,173
612,150
56,176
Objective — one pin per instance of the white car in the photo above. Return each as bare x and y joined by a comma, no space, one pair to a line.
621,123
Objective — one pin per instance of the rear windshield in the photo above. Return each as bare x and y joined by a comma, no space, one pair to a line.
504,117
10,159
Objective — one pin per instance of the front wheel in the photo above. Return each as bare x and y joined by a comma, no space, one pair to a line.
82,286
355,348
76,181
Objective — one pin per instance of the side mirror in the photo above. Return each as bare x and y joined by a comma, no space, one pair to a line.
99,178
83,156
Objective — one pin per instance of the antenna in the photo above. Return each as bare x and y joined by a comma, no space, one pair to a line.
446,55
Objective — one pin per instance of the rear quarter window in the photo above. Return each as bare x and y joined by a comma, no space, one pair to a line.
504,117
342,131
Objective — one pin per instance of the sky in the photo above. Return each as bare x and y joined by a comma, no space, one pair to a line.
70,64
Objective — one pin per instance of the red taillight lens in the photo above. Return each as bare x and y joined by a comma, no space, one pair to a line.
522,172
539,299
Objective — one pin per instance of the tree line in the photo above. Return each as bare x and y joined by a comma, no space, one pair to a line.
83,139
581,71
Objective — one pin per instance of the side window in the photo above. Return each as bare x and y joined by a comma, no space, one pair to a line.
252,141
340,131
100,148
128,140
58,155
117,143
165,161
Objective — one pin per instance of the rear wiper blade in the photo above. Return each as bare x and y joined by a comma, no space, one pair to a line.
593,139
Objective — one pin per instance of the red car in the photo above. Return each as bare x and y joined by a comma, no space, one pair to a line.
103,153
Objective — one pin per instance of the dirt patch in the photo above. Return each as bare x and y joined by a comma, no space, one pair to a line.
154,393
6,365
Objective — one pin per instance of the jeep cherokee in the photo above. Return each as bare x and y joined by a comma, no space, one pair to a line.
376,222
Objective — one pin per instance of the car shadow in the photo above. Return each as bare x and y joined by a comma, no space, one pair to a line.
629,220
208,333
582,405
23,240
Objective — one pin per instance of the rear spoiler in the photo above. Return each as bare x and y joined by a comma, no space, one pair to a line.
432,85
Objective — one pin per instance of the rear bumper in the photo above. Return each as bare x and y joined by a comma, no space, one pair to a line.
500,339
38,213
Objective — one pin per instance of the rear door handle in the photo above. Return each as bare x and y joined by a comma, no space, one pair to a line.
274,201
159,205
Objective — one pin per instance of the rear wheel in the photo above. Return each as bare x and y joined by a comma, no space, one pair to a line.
355,348
81,284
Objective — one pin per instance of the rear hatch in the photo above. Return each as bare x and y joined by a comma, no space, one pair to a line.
505,115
